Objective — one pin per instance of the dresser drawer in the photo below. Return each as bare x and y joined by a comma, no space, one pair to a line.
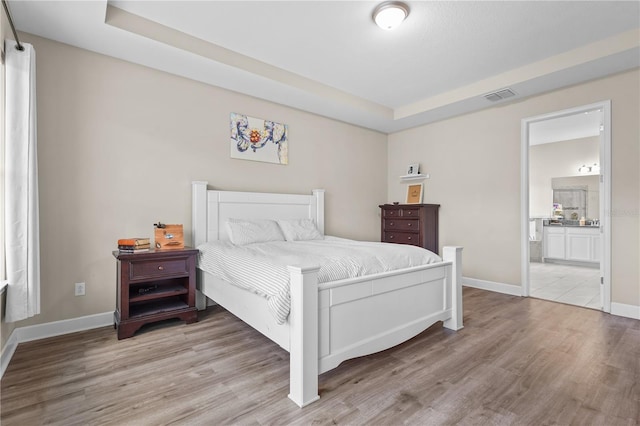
391,212
401,237
402,224
410,212
158,268
401,212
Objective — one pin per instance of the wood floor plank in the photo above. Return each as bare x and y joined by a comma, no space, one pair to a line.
518,361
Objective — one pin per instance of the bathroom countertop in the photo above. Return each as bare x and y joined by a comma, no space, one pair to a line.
560,225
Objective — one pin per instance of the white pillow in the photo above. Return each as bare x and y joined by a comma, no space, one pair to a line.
243,231
300,230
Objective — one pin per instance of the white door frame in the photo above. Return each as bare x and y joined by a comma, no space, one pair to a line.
605,194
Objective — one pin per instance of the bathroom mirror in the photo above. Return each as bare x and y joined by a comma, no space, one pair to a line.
577,194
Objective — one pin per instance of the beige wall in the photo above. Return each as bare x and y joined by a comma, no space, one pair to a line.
474,162
119,145
561,159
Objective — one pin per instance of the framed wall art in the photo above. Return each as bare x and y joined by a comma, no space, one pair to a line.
256,139
414,193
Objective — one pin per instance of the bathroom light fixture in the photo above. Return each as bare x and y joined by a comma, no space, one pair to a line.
390,14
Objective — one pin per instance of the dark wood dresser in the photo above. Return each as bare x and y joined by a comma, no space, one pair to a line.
415,224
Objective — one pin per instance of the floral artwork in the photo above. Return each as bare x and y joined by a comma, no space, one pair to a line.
258,140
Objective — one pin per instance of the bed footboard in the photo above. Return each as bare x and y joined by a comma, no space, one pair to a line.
340,320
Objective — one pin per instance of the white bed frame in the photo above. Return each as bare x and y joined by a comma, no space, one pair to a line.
329,322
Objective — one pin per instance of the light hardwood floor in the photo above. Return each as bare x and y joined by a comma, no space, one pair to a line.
518,361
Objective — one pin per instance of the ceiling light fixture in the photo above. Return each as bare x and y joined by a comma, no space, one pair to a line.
390,14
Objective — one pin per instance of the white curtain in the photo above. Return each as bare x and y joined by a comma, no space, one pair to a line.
22,237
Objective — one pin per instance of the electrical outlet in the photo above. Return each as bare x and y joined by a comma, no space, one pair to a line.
79,289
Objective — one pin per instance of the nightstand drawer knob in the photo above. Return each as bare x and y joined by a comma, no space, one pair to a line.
390,223
391,237
408,224
160,268
408,238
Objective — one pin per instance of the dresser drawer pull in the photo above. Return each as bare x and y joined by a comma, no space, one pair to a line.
391,237
408,238
390,223
409,213
160,268
409,225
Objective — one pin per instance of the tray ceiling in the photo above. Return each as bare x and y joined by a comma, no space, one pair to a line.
329,58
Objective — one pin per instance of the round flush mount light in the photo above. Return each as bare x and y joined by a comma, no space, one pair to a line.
390,14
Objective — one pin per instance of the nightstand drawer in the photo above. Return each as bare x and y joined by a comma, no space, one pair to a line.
401,238
158,268
402,224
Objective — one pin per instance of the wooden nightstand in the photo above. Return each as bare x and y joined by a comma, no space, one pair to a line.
155,286
414,224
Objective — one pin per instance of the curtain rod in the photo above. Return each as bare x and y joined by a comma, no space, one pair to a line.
13,28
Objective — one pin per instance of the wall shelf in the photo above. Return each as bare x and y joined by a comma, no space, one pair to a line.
419,176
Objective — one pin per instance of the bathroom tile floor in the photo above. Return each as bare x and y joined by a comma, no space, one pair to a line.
573,285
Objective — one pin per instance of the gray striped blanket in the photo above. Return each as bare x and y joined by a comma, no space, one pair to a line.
262,267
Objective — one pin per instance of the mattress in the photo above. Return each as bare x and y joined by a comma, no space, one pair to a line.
262,267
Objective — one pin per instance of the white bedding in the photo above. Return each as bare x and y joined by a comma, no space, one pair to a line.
262,267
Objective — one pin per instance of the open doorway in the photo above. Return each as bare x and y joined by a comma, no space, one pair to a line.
565,194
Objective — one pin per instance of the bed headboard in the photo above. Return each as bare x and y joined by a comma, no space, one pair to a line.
212,208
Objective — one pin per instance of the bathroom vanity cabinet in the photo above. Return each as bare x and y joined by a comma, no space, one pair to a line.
575,243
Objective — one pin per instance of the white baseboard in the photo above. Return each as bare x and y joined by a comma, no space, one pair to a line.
513,290
623,310
51,329
57,328
8,350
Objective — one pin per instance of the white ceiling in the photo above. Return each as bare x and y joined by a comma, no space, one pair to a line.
329,58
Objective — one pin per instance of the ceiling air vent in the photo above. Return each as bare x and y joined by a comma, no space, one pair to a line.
499,95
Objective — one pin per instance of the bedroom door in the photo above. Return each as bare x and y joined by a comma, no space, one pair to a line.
546,260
